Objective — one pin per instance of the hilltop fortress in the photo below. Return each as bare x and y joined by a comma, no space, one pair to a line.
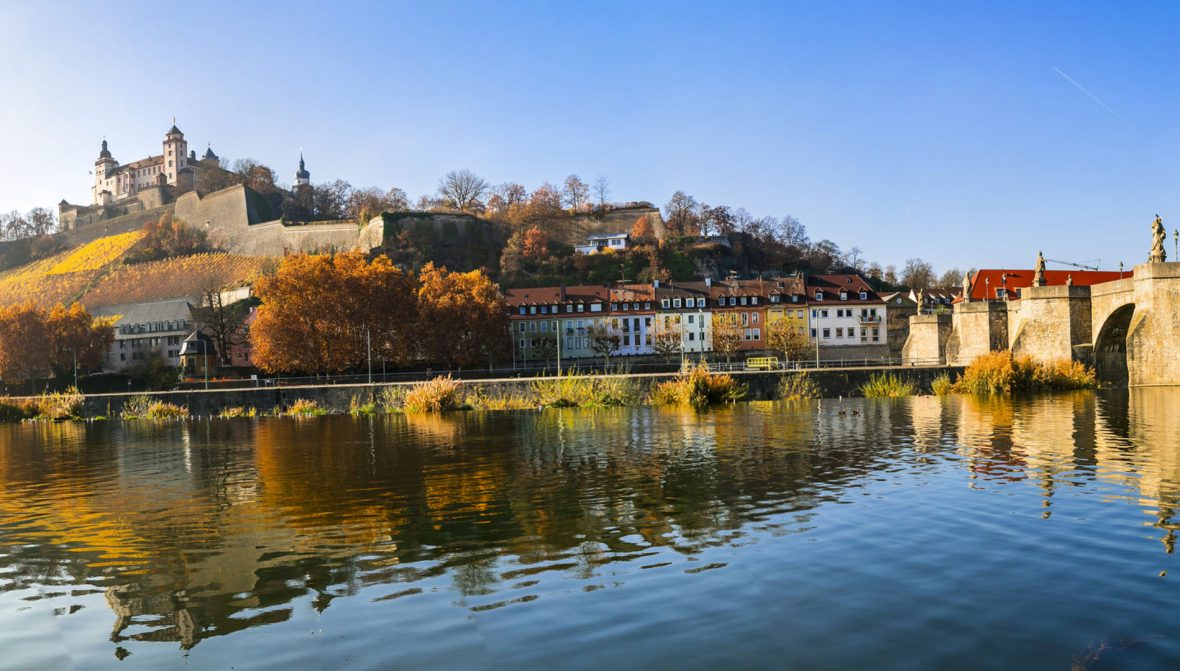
124,197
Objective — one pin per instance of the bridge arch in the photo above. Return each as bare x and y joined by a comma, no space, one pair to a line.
1110,346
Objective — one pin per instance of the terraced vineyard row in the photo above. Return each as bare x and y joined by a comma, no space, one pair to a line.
183,277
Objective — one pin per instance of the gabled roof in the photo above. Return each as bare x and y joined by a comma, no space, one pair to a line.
146,313
830,286
606,236
554,295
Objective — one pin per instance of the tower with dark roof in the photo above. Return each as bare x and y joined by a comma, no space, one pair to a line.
175,156
302,176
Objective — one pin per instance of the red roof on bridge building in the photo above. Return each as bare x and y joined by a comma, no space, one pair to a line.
986,282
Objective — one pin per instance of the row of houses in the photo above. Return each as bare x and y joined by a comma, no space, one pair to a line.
840,314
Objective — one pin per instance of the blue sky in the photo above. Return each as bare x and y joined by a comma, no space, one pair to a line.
937,130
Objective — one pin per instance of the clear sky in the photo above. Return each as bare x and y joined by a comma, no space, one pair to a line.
947,131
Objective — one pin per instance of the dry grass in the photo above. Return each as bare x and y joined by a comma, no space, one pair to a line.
237,412
60,405
438,395
143,406
176,277
305,407
942,385
698,388
585,391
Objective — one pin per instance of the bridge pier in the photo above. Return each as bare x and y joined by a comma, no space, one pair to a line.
1051,323
927,342
1153,335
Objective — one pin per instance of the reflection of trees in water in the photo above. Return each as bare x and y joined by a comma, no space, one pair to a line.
220,526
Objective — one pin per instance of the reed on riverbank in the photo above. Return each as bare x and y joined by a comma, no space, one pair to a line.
887,385
145,407
797,387
699,387
1003,373
438,395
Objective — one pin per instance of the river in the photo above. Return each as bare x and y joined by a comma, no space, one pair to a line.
922,533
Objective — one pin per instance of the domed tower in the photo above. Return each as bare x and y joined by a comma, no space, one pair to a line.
302,177
103,167
175,153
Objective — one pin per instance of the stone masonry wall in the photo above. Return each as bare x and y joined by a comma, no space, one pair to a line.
927,342
1052,321
979,327
1153,339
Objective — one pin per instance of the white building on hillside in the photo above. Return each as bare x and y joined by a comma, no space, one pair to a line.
602,242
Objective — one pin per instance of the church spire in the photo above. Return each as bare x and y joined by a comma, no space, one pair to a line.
302,176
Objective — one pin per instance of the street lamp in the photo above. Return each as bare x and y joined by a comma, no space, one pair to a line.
369,352
1176,242
75,353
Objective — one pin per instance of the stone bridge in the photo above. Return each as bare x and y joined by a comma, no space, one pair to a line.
1129,329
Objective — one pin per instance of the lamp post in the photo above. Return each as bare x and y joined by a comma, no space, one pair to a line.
369,352
1176,242
205,361
557,322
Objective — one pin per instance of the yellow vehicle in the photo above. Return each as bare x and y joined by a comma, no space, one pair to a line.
762,363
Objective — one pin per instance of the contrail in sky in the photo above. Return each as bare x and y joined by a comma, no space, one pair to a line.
1092,96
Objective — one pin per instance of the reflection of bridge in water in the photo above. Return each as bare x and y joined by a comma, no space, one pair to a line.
1129,329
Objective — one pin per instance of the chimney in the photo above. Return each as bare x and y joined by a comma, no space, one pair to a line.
708,282
655,284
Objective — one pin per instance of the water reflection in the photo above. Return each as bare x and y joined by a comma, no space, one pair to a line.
190,531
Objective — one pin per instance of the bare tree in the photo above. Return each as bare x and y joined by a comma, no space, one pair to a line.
917,274
602,190
222,323
793,233
951,278
463,190
682,215
575,192
890,275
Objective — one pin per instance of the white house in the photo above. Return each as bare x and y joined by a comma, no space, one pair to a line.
601,242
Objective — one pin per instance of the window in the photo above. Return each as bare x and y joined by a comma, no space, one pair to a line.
812,333
733,301
799,314
827,333
635,306
1001,293
646,305
690,318
753,317
754,301
647,322
626,306
743,301
675,302
665,303
745,318
522,327
814,313
544,309
692,336
757,334
819,295
532,309
627,340
544,327
876,334
614,306
774,299
839,332
843,295
522,343
823,313
581,307
794,298
595,307
864,295
569,308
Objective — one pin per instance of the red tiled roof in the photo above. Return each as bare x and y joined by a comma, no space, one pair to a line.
990,279
831,286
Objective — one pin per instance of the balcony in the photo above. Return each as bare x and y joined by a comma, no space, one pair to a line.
870,319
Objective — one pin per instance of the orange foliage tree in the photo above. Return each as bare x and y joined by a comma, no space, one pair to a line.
167,238
536,243
641,230
36,343
317,310
464,321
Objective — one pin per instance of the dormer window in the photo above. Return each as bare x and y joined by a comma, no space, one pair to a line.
774,298
864,295
819,295
743,301
732,301
522,310
753,300
665,303
614,306
646,305
544,309
532,309
626,306
794,298
843,295
581,307
675,302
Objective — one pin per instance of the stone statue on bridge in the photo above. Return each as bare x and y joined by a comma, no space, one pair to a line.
1039,271
1158,237
966,287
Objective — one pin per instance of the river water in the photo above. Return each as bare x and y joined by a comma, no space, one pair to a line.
923,533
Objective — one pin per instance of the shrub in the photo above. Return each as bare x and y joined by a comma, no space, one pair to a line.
942,385
887,385
305,407
1002,373
60,404
237,412
797,387
136,407
437,395
698,387
502,400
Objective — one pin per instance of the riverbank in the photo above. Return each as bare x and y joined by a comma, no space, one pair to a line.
761,385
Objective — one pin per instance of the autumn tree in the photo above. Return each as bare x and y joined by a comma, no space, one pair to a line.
535,244
784,337
727,334
317,310
168,238
463,190
575,192
255,175
36,343
544,203
462,316
641,230
364,204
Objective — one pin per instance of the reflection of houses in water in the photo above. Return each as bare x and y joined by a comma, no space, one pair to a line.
985,437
